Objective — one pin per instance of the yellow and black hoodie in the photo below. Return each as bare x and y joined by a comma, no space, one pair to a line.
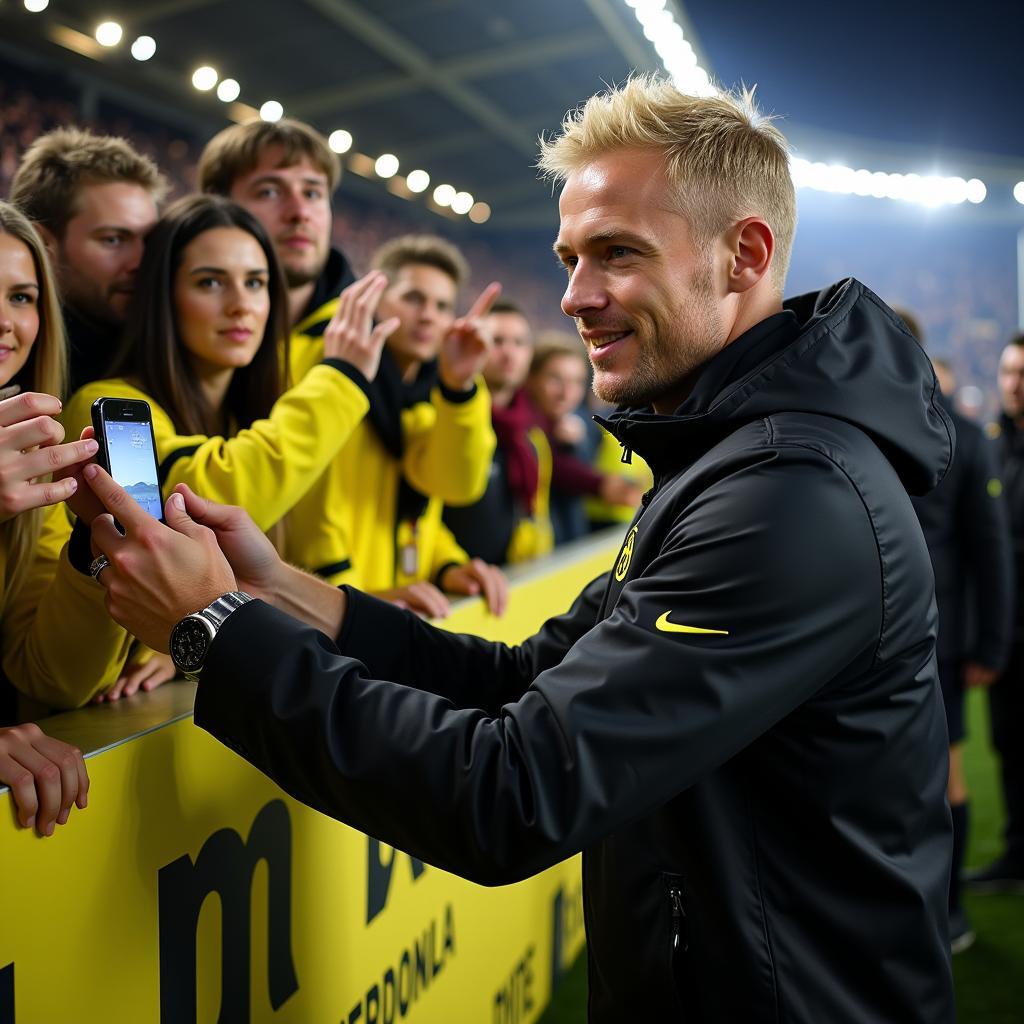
364,522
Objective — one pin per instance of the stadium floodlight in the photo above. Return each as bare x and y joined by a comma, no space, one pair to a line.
674,50
417,181
204,78
108,33
228,90
36,6
144,47
444,194
271,111
1018,192
462,203
480,213
386,165
340,141
925,190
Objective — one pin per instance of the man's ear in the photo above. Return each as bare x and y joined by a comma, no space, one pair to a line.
751,246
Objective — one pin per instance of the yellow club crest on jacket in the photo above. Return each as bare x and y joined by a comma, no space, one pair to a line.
626,555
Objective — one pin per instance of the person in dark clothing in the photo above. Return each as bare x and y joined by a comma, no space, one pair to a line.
93,199
740,723
1006,696
556,386
511,523
967,532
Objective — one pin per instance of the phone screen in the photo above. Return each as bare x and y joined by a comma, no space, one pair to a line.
133,462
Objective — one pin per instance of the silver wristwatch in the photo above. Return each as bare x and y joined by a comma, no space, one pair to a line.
192,636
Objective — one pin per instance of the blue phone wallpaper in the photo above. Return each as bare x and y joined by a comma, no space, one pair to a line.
133,463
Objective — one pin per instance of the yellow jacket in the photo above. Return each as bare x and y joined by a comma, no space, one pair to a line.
345,528
60,647
426,547
265,468
608,459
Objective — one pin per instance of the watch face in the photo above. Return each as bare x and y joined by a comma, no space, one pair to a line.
190,641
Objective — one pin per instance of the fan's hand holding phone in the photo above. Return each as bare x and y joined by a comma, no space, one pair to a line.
124,430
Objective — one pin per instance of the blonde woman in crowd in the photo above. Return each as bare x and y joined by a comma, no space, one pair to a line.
57,643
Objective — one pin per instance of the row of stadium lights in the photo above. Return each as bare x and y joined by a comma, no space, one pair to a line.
680,62
206,78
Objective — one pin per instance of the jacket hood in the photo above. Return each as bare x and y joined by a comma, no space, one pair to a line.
851,359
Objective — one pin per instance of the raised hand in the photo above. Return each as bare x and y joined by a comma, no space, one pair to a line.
350,335
31,449
468,343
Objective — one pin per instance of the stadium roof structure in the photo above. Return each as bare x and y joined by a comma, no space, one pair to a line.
463,88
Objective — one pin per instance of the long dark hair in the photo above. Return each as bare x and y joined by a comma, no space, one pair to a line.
152,354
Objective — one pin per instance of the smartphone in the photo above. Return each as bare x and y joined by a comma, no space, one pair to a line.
124,432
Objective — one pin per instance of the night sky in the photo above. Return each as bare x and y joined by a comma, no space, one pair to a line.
936,75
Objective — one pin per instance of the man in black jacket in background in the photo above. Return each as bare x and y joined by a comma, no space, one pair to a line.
1006,696
968,536
740,724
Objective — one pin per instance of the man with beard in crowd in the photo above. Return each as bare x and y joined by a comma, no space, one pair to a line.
93,198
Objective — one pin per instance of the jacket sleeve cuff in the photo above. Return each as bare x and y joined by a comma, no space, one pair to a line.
457,397
440,573
355,375
369,622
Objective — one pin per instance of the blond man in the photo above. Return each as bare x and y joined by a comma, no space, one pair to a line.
740,723
93,199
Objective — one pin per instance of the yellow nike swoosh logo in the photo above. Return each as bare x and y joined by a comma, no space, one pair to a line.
673,627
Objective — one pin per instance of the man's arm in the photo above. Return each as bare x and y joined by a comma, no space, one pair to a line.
393,643
737,622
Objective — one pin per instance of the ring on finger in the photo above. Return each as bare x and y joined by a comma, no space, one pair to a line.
99,563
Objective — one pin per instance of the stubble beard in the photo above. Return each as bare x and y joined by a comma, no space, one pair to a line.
669,350
298,277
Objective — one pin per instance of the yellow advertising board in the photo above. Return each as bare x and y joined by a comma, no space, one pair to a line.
193,890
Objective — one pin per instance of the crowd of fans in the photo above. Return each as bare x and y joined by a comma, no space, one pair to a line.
380,439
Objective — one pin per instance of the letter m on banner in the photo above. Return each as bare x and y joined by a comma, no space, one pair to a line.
225,865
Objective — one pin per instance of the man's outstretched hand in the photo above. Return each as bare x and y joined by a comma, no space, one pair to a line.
157,574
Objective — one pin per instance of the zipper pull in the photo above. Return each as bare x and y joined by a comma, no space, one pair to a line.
679,942
627,455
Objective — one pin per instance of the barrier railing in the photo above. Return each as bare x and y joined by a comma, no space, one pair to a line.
193,890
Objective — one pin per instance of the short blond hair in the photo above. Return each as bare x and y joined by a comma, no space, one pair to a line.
236,151
59,164
726,161
424,250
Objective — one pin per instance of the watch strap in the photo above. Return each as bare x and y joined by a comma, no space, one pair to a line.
217,611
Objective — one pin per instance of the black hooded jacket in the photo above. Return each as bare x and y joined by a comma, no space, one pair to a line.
739,725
